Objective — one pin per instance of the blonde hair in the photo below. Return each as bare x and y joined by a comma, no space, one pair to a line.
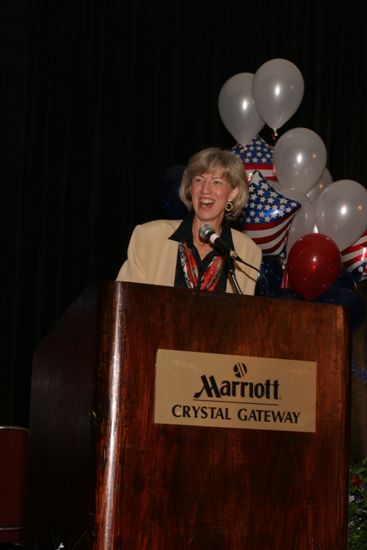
233,172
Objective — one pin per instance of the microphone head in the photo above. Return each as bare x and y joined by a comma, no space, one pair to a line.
206,231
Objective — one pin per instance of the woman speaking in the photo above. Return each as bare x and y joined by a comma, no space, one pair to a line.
201,251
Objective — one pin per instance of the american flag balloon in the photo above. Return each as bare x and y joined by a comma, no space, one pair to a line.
267,216
354,258
257,155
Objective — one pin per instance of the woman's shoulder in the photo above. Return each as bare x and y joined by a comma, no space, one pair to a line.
158,227
241,240
241,236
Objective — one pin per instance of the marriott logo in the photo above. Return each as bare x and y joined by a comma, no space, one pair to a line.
267,389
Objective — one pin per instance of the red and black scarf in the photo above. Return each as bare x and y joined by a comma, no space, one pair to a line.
209,279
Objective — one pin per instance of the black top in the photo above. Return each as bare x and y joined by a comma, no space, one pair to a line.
184,234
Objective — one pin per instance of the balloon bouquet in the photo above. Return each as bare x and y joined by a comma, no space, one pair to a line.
312,230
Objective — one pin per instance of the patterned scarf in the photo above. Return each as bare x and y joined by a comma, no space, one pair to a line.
209,279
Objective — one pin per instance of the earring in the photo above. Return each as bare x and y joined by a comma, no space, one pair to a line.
229,206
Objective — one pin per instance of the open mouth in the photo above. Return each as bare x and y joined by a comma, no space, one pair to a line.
206,203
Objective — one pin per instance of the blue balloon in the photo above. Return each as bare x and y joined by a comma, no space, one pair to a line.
344,280
350,299
271,270
168,196
286,293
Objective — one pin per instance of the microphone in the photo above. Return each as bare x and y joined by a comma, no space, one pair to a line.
207,233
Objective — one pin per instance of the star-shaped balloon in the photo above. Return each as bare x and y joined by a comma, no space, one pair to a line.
354,258
267,216
256,155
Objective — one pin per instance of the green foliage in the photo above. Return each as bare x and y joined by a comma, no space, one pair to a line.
357,513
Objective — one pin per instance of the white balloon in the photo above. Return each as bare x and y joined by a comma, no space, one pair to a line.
341,212
237,108
277,90
323,182
299,159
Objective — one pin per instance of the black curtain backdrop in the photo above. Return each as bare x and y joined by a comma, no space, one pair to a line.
100,98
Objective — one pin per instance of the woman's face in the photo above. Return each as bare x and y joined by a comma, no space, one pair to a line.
210,193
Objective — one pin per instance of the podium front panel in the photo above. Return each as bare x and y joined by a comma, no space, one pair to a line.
145,485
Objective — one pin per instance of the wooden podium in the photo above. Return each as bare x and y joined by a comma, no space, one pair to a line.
104,475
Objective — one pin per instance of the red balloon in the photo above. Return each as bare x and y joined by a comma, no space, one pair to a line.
313,265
